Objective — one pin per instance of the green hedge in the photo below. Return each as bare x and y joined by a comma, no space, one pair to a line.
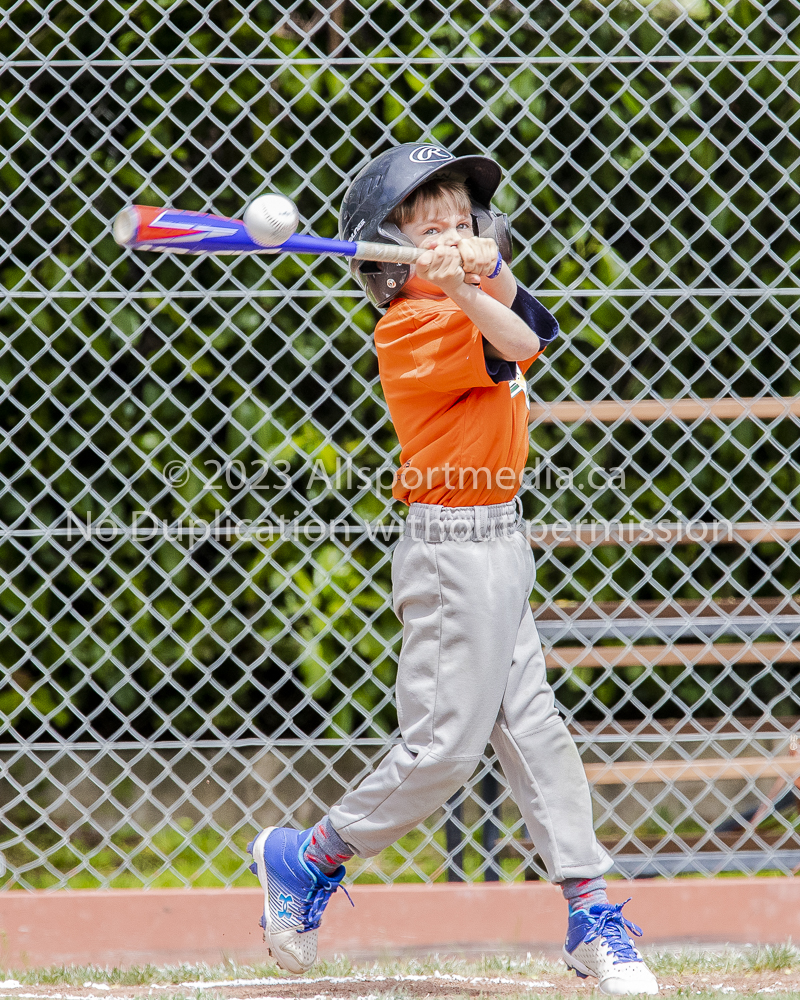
685,168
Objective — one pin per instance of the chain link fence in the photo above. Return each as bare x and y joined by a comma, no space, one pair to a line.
196,458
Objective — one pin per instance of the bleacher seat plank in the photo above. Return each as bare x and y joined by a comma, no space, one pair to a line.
610,410
625,772
673,655
630,533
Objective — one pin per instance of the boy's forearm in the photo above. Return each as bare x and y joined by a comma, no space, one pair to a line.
510,336
503,287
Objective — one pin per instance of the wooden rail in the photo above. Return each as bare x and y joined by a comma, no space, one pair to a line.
675,655
684,608
623,773
621,533
607,411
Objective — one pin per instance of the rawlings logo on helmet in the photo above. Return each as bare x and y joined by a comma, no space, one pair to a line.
425,154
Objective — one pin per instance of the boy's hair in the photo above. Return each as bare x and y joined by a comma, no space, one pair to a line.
423,198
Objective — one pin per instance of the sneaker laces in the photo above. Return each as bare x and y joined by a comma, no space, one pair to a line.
314,904
611,926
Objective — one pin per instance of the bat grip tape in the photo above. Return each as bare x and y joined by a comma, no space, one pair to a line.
389,252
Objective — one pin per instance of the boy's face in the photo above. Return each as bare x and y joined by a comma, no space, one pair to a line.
436,223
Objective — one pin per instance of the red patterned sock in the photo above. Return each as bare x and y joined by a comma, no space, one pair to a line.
581,893
326,849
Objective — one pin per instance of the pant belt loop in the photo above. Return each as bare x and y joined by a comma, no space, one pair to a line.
480,530
518,502
433,524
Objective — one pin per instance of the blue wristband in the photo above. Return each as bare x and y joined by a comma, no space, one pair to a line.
498,267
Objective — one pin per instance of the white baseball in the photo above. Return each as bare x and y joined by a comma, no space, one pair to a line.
271,219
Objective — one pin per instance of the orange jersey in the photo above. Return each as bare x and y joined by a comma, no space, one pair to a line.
463,433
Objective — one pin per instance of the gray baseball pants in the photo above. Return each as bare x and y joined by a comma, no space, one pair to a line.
472,671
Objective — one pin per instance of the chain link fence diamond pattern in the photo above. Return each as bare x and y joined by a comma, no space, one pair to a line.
196,458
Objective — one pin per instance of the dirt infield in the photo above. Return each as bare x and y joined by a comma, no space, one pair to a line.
735,972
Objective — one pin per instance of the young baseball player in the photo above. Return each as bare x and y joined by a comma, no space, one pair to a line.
453,348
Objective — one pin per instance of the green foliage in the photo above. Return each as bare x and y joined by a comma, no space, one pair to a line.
204,857
179,637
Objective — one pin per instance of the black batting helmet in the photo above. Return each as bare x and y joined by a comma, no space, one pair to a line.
389,179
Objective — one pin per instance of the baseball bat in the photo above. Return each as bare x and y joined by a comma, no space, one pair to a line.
169,230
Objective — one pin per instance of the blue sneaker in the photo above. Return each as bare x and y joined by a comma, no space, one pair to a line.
598,945
295,895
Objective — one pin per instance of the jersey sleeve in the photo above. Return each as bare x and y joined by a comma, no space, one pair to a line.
448,353
499,369
540,320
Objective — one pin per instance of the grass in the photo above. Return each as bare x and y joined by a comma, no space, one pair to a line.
683,962
175,975
731,961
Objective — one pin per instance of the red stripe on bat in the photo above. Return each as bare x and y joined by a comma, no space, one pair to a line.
149,233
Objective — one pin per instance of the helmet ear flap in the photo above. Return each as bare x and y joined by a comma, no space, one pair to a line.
383,281
493,225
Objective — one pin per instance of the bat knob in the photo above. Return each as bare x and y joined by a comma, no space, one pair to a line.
125,226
